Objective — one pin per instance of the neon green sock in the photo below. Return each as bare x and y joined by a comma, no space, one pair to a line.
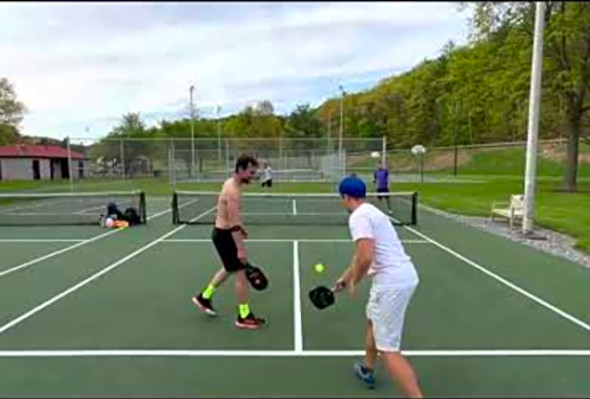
209,291
244,310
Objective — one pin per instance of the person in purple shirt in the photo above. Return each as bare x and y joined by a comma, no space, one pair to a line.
381,179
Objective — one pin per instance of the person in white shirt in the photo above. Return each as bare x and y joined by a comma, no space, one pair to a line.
379,254
266,175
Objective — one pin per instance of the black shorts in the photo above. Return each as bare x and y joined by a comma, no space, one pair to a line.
382,190
227,250
267,183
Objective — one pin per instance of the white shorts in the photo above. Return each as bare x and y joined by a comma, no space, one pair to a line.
386,310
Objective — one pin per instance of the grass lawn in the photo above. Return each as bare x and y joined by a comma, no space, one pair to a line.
566,213
482,161
563,212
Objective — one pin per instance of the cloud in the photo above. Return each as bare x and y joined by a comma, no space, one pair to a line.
76,65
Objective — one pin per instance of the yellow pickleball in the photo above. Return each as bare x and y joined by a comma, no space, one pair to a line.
319,268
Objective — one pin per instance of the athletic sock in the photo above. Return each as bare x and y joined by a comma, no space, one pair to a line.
209,291
244,310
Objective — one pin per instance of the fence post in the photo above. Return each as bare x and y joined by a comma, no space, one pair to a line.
455,159
169,161
70,165
384,151
173,162
281,160
227,164
122,151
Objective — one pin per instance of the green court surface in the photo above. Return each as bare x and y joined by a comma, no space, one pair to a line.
92,312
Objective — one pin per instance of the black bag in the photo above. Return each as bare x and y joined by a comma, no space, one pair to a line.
132,217
113,211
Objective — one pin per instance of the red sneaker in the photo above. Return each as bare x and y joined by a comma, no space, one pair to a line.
250,322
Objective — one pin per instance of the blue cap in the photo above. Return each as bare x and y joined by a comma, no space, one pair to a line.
353,187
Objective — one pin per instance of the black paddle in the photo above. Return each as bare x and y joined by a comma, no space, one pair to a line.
322,296
256,277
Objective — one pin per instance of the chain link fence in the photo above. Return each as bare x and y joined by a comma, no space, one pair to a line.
178,160
182,160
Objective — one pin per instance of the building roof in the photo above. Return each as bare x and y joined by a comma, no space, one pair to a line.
37,151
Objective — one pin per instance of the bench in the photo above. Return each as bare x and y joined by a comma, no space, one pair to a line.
513,211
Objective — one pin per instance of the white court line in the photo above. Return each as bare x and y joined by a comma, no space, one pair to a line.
286,353
82,211
93,277
35,205
50,240
69,248
36,214
344,215
160,213
298,333
59,252
294,207
271,240
153,199
502,280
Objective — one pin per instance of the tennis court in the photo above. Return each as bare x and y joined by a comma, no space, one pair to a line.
93,312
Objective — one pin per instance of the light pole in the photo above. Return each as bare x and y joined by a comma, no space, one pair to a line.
191,89
419,151
341,125
533,127
218,109
329,131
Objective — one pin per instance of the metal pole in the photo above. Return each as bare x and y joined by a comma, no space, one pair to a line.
191,89
218,134
422,168
341,122
122,151
384,152
533,128
329,131
170,177
455,139
455,159
281,160
173,156
70,165
227,163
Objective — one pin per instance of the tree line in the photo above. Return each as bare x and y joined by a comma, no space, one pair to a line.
469,94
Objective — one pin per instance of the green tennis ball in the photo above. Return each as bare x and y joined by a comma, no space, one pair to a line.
319,268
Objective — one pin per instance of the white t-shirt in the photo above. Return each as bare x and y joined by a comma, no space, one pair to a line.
266,176
391,265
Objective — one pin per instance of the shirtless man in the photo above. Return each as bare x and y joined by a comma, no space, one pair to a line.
228,237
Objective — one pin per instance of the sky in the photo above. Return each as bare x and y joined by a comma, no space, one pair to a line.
79,67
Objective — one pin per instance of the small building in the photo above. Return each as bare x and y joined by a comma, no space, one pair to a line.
39,162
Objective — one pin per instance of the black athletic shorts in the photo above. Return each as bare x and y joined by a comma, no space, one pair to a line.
382,190
227,250
267,183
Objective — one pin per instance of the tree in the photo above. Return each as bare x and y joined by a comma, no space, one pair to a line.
131,126
8,134
265,108
11,113
121,146
303,123
567,63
